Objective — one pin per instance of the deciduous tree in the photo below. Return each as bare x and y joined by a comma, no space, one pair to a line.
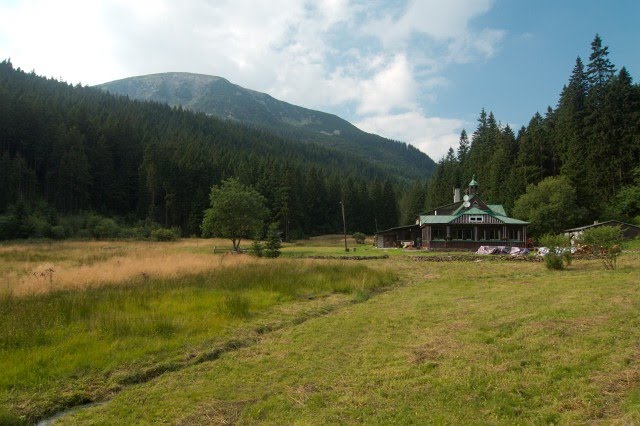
237,211
551,206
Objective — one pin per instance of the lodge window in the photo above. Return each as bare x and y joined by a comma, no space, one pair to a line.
438,233
492,234
462,233
513,234
476,219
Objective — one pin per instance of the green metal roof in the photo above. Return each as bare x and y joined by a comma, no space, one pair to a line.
475,210
497,209
494,210
435,219
511,221
473,182
397,228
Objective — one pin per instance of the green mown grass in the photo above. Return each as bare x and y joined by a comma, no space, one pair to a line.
460,343
308,248
63,348
632,244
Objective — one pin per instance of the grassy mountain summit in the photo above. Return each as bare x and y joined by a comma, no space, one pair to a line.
218,97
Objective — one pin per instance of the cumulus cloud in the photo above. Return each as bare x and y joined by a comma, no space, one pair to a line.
374,63
391,88
435,18
433,135
63,41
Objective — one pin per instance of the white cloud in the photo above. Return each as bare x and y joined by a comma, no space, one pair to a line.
381,61
65,41
434,18
391,88
444,24
465,49
432,135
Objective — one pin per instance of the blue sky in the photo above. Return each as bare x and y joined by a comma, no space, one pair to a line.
416,71
539,50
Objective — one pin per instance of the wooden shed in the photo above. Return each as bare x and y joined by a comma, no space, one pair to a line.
395,237
629,231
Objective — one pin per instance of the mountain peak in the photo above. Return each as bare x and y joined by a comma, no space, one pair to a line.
217,96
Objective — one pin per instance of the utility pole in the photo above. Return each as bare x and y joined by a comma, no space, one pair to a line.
287,229
344,227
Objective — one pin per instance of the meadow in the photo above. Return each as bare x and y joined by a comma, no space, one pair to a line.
79,321
333,246
322,341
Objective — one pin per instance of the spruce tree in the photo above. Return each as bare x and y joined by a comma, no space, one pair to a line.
600,133
389,207
463,147
273,245
599,70
569,130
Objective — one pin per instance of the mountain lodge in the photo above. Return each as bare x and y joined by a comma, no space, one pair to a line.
465,224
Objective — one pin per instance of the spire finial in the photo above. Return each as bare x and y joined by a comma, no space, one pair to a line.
473,186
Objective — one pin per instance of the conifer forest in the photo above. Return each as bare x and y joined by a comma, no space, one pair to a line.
76,161
591,140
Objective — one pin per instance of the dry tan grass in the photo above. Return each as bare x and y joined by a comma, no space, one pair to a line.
217,413
80,265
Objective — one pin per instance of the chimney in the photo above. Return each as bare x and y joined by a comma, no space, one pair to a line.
456,195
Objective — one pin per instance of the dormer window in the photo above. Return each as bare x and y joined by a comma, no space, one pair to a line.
476,219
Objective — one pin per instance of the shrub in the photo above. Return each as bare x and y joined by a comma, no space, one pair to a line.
72,225
256,248
106,228
91,220
57,232
39,226
83,234
8,225
359,237
553,261
559,254
164,234
605,242
133,232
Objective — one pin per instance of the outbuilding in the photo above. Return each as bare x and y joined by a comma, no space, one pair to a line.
629,231
401,236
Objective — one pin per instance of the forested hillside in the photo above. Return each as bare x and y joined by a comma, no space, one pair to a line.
66,151
591,139
218,97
